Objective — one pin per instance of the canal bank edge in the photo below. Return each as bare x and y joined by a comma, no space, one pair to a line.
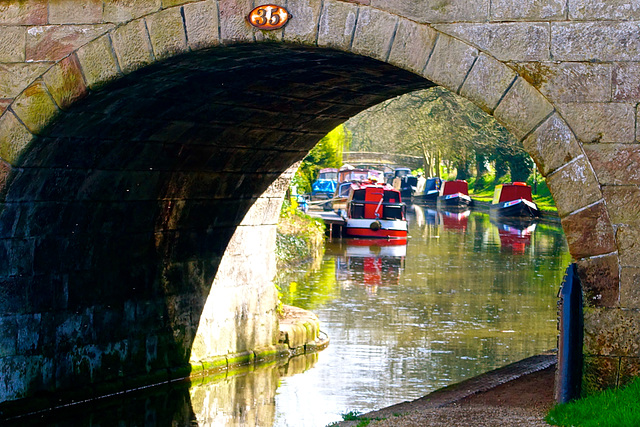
299,334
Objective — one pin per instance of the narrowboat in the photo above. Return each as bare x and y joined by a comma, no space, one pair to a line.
431,191
324,187
405,182
513,200
454,195
375,210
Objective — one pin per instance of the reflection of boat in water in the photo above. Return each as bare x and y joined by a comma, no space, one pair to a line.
372,262
454,195
515,235
513,201
456,221
375,210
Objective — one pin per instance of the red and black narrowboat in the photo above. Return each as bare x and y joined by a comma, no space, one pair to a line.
513,200
454,195
375,210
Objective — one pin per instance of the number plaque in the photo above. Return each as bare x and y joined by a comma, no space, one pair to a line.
268,17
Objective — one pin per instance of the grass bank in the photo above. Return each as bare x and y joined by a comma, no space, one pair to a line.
617,407
300,238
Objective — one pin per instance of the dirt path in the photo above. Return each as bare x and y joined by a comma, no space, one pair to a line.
516,395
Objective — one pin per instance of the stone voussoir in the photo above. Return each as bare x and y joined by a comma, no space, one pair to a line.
487,82
132,46
374,33
575,177
522,109
450,62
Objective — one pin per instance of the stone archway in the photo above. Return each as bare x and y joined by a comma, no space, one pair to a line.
77,88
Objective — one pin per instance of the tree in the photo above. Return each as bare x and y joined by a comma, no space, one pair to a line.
442,128
326,154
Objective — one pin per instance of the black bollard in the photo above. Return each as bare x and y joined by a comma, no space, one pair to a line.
570,325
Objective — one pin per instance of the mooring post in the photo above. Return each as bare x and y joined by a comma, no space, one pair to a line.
570,326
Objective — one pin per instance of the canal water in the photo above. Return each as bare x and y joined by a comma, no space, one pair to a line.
465,295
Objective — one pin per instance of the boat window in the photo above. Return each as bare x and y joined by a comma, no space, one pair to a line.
358,194
391,197
392,212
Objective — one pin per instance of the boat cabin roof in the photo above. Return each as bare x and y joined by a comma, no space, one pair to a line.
371,191
453,187
432,184
511,191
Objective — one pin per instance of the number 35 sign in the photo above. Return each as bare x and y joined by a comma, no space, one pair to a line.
268,17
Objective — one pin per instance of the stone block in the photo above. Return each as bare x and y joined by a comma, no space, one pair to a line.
15,77
201,21
167,33
437,11
73,12
552,145
625,80
233,25
54,42
4,104
303,27
487,82
35,107
65,82
536,10
600,280
589,232
5,170
628,239
13,42
29,12
8,336
615,164
14,137
337,24
412,46
599,373
510,41
575,178
374,33
171,3
595,10
118,11
601,122
99,64
522,109
28,333
629,370
569,82
450,62
630,287
132,46
595,41
611,332
623,203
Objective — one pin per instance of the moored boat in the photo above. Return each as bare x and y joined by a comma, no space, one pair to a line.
375,210
513,200
454,195
431,191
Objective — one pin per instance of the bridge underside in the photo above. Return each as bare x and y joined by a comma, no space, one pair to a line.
117,216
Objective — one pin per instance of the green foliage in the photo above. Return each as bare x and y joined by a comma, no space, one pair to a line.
441,127
326,154
299,236
618,408
351,416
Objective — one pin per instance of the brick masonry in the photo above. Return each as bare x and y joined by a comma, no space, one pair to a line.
134,136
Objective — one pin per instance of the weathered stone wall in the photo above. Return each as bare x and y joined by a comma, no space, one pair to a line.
143,131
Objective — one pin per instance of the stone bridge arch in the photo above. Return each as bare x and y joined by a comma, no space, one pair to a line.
102,161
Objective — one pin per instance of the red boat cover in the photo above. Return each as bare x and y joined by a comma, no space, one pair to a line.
453,187
515,191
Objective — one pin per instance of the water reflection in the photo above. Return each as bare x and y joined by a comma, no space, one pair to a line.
468,296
